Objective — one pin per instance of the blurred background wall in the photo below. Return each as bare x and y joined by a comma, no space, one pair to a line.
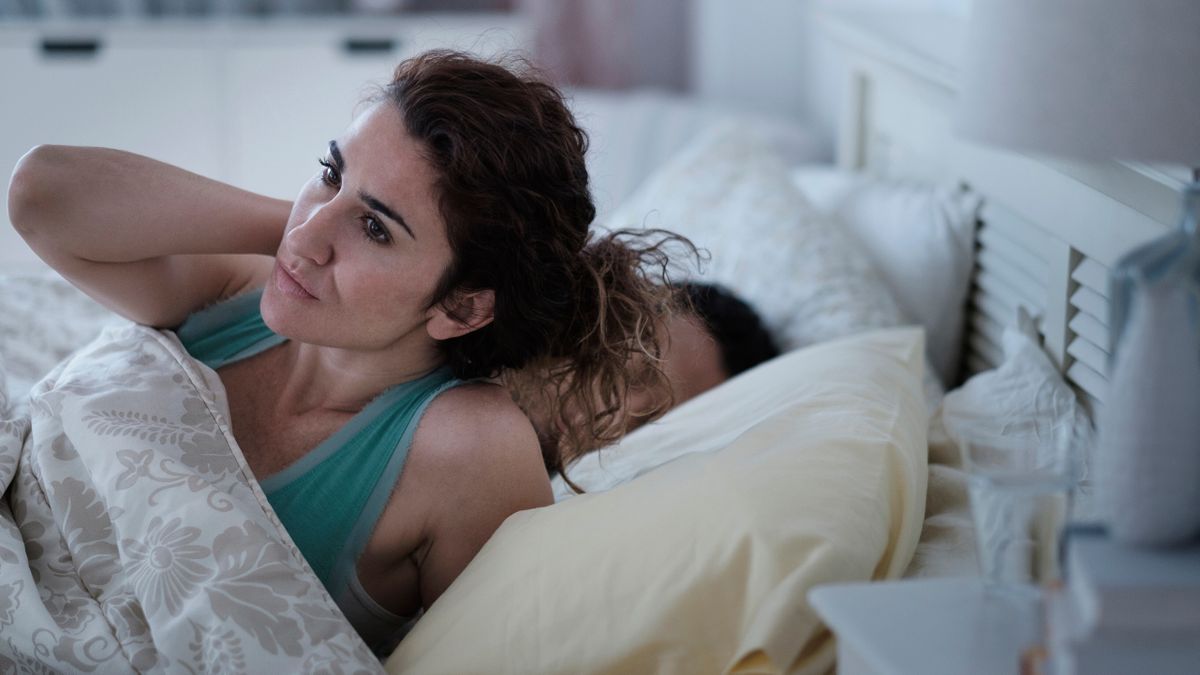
752,53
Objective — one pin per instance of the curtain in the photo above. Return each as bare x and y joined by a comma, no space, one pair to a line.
612,44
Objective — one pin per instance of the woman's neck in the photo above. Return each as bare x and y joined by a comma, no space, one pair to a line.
331,379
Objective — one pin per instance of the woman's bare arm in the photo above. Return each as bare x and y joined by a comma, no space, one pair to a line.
475,458
147,239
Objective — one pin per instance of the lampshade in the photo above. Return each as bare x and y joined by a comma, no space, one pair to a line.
1089,79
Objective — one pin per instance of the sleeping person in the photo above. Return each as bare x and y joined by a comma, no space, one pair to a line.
709,335
442,241
714,337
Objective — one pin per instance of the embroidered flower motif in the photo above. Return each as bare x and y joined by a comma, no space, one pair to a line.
197,415
69,613
165,567
217,651
125,615
27,663
208,453
10,601
137,465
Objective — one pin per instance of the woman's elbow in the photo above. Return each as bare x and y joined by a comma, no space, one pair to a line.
32,186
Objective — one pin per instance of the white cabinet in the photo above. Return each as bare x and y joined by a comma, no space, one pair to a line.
158,97
250,103
287,101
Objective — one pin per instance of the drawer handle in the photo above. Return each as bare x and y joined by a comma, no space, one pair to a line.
362,46
70,48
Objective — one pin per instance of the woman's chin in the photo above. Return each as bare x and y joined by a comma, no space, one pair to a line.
276,312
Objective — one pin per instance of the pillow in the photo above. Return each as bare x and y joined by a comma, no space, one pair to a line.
731,194
1026,398
807,469
631,133
921,238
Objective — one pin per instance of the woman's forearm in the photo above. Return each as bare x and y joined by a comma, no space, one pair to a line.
112,206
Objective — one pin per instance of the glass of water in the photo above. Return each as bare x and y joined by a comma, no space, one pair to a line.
1020,489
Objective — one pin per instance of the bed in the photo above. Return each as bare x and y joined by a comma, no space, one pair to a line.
1041,235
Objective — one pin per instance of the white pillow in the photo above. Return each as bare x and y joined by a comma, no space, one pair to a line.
633,133
1025,398
731,194
919,236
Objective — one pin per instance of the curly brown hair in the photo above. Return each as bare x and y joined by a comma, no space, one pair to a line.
576,318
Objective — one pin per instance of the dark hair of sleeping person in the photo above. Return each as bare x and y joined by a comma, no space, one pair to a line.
708,336
572,309
738,330
711,335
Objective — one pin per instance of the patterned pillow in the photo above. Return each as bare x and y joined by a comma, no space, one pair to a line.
731,194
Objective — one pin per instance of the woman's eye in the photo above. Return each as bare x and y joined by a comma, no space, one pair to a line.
329,174
375,231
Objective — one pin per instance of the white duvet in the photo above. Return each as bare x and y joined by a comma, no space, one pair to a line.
133,536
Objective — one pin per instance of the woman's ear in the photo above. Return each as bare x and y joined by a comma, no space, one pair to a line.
461,314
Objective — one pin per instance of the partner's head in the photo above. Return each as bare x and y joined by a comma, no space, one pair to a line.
712,336
451,213
741,338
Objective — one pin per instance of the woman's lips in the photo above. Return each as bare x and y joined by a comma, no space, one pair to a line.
288,285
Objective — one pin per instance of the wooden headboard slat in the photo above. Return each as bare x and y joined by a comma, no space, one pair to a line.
1051,228
1093,275
1089,354
1092,382
1000,242
1091,302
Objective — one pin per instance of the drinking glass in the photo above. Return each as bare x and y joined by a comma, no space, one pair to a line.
1020,488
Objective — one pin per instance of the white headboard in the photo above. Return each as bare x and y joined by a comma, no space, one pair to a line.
1049,229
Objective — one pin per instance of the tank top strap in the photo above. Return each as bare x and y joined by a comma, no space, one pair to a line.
227,331
331,498
346,565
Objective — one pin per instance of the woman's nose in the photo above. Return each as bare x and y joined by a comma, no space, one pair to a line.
313,239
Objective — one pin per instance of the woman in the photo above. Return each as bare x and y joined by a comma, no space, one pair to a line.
442,240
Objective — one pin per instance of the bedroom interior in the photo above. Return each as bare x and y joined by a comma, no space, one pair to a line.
937,273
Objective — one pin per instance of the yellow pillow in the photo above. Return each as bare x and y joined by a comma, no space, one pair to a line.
702,564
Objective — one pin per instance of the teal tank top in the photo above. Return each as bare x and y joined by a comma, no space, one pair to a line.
331,498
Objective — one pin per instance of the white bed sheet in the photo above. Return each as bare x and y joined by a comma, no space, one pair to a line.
43,318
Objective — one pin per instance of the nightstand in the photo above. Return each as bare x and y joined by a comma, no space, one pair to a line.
928,626
1125,609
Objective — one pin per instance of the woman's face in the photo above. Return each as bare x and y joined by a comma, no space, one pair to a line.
365,244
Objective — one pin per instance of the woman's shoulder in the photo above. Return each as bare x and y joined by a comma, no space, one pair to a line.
474,441
477,422
474,462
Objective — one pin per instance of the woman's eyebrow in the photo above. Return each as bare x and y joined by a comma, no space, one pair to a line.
383,208
340,164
